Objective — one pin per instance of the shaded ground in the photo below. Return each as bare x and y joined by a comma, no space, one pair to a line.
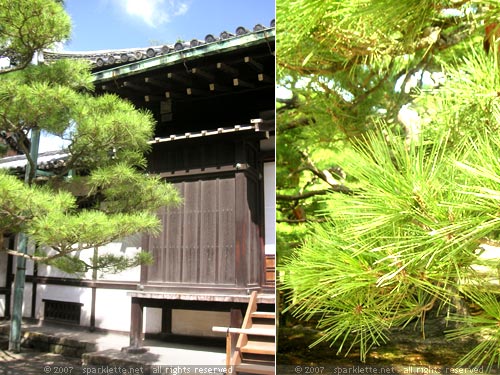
31,362
102,354
406,348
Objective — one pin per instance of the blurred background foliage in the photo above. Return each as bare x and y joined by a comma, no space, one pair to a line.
388,166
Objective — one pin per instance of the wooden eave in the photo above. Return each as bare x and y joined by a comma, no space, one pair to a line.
182,56
237,129
209,86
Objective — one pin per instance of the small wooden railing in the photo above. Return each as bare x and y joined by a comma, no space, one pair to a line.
251,339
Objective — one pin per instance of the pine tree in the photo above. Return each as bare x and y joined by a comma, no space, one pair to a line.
87,202
419,203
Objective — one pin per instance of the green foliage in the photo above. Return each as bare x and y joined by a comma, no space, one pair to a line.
104,263
111,263
109,130
453,106
87,228
74,74
325,36
24,106
116,183
404,243
29,26
19,203
484,327
421,197
108,139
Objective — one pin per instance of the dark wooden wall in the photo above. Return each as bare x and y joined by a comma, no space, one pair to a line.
197,243
213,240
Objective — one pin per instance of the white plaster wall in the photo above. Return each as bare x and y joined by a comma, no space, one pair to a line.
27,300
3,268
112,306
128,247
490,254
2,306
29,266
152,320
270,207
112,309
45,270
199,323
62,293
3,274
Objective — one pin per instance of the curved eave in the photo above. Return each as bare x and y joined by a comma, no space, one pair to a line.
219,47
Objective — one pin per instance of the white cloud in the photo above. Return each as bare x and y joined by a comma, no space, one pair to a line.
182,8
154,12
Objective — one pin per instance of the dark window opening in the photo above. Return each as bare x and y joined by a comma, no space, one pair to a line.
62,311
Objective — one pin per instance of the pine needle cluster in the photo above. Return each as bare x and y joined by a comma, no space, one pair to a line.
407,241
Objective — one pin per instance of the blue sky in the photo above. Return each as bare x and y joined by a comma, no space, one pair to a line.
115,24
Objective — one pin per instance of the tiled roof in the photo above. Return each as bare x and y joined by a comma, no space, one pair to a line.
110,58
46,161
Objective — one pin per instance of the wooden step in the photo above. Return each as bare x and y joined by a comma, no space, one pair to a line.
260,330
266,327
248,368
264,315
259,347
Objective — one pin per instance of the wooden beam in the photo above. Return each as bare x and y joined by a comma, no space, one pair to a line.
228,69
172,94
154,82
218,87
254,64
106,88
166,320
135,86
242,227
264,78
240,83
270,332
153,98
177,77
203,74
194,91
9,279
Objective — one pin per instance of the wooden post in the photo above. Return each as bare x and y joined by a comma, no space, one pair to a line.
94,289
242,236
229,350
232,338
136,323
166,320
9,279
136,335
34,287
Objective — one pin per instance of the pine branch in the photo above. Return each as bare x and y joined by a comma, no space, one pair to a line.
27,154
297,197
379,84
304,121
298,221
291,103
21,66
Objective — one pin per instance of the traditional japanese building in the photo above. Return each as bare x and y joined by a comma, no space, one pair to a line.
213,102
